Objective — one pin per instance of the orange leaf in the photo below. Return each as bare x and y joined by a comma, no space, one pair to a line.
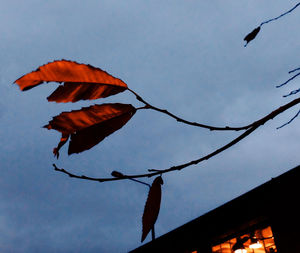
90,125
152,206
91,136
81,82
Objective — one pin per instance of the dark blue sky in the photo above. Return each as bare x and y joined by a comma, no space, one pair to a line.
185,56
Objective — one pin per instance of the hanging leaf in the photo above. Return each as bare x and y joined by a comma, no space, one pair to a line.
80,81
90,125
252,35
152,207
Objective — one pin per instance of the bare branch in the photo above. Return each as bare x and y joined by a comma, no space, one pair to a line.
292,93
287,12
120,175
155,172
211,128
294,70
289,120
79,177
251,36
293,77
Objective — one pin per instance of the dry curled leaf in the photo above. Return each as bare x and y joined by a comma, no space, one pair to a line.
152,207
80,81
252,35
117,174
90,125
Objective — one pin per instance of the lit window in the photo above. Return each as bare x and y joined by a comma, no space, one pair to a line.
258,241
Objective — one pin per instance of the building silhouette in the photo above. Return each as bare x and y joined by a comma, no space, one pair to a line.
265,219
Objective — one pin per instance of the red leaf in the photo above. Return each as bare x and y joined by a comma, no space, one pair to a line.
152,206
81,82
90,125
87,138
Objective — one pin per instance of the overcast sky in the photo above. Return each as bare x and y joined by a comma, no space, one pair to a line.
184,56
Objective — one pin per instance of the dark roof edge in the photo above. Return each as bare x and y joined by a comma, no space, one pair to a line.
285,177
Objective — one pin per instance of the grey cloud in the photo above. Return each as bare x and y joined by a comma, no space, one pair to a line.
185,56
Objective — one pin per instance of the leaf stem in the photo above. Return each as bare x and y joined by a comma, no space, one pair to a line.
138,181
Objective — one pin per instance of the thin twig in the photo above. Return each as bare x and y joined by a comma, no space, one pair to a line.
251,36
293,77
79,177
294,70
212,128
272,19
292,93
253,127
289,120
